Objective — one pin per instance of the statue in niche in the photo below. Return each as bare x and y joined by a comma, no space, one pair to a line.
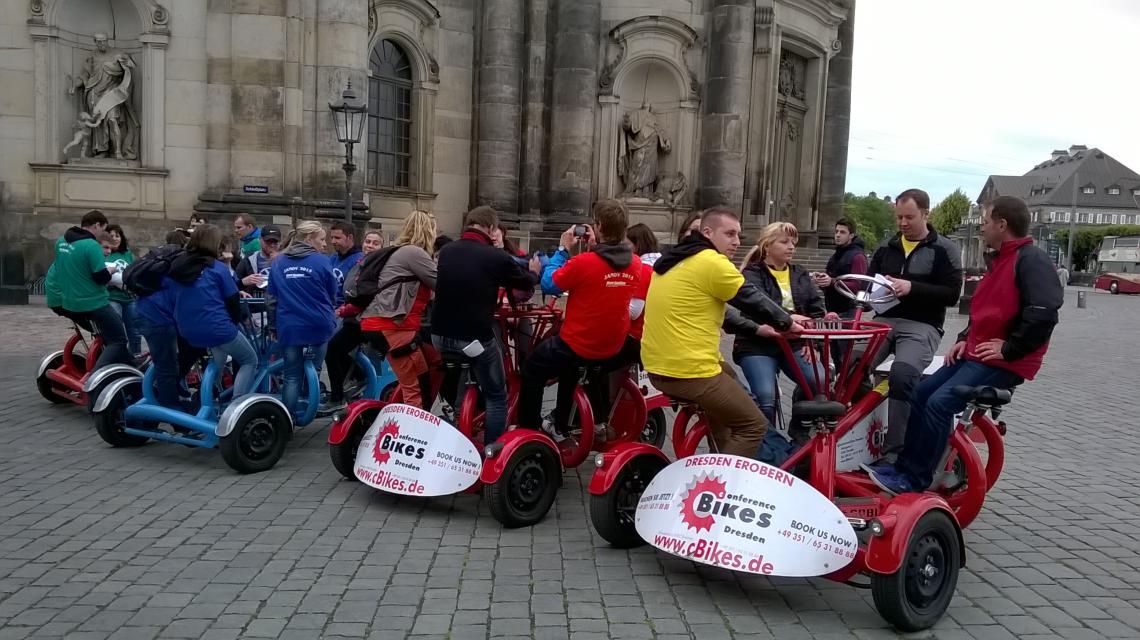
107,120
638,148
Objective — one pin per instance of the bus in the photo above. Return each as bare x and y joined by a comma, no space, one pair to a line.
1118,264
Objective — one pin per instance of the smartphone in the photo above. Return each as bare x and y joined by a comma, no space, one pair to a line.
579,230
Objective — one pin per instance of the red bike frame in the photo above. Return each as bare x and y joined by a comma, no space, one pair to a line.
71,376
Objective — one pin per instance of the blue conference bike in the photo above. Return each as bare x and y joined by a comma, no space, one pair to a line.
252,431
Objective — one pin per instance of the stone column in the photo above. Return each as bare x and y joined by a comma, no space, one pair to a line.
294,94
836,131
534,109
47,97
342,47
723,155
152,146
575,95
501,51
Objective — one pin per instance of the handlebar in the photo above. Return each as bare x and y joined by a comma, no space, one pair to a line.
863,295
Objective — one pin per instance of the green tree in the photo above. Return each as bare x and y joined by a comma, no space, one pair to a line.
948,215
1087,241
874,218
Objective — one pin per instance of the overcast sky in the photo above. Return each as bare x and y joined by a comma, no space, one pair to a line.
946,93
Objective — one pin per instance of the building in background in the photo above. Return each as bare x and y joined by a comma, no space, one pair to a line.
1086,183
151,111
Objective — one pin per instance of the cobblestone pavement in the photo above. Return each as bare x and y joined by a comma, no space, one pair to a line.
167,542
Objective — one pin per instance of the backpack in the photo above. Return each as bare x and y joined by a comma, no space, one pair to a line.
368,278
144,276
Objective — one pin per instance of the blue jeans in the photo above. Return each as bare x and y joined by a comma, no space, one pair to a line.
246,358
127,311
162,340
492,379
110,327
761,372
932,415
294,371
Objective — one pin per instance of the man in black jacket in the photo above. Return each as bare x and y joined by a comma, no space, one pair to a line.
847,259
925,271
471,273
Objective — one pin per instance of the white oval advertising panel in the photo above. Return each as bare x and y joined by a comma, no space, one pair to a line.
744,515
412,452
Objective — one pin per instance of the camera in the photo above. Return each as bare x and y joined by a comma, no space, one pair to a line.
579,230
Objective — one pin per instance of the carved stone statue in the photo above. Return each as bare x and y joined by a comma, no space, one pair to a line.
104,95
672,188
638,146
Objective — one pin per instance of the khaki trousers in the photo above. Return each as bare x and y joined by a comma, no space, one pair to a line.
735,421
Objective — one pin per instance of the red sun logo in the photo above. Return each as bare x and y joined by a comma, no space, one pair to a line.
876,438
689,515
380,452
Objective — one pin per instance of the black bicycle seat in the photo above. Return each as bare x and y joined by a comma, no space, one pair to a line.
984,396
815,409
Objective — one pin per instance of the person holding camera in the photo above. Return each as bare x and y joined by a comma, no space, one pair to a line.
601,282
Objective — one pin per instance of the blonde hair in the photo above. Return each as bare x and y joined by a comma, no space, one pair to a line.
305,231
419,230
768,235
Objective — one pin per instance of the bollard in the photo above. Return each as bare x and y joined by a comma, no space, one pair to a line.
1080,299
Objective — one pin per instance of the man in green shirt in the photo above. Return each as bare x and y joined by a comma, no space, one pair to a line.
247,234
80,275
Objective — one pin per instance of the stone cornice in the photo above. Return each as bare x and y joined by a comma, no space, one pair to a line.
655,24
828,12
423,9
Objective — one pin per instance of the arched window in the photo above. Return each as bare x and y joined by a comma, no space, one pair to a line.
389,116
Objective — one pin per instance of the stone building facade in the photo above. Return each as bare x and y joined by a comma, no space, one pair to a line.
537,107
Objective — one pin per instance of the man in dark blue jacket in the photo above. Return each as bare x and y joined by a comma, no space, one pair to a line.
346,254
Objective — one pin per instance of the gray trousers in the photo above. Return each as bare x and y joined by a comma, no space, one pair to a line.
914,345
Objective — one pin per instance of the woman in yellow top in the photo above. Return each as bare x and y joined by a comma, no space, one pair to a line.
769,267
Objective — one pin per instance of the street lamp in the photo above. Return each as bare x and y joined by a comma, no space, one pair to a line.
348,120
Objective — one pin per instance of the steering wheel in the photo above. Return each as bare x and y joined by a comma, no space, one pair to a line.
861,294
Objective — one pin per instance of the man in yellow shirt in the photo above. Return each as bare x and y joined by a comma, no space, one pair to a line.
925,270
684,312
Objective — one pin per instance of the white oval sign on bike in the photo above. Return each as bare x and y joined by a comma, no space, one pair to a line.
412,452
733,512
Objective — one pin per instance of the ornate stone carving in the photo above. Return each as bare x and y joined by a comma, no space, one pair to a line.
793,132
694,85
36,12
433,66
606,78
836,46
764,16
672,189
107,125
791,80
160,16
640,143
371,21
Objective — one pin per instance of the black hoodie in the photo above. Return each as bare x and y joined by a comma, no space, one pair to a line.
755,306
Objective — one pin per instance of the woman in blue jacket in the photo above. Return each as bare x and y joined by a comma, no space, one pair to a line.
207,308
302,296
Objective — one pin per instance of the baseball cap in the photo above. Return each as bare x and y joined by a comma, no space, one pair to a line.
269,232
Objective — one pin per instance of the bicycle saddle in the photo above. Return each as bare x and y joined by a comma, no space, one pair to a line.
815,409
985,396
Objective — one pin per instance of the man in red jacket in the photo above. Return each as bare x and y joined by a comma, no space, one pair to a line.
601,281
1012,317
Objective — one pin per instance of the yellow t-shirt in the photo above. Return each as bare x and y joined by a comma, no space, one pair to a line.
684,311
784,279
908,245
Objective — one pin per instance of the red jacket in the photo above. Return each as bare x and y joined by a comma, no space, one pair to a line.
1017,301
597,313
636,327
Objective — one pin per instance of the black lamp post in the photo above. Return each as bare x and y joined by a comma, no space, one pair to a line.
348,120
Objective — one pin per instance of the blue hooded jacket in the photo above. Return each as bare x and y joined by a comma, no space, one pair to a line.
341,265
303,291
